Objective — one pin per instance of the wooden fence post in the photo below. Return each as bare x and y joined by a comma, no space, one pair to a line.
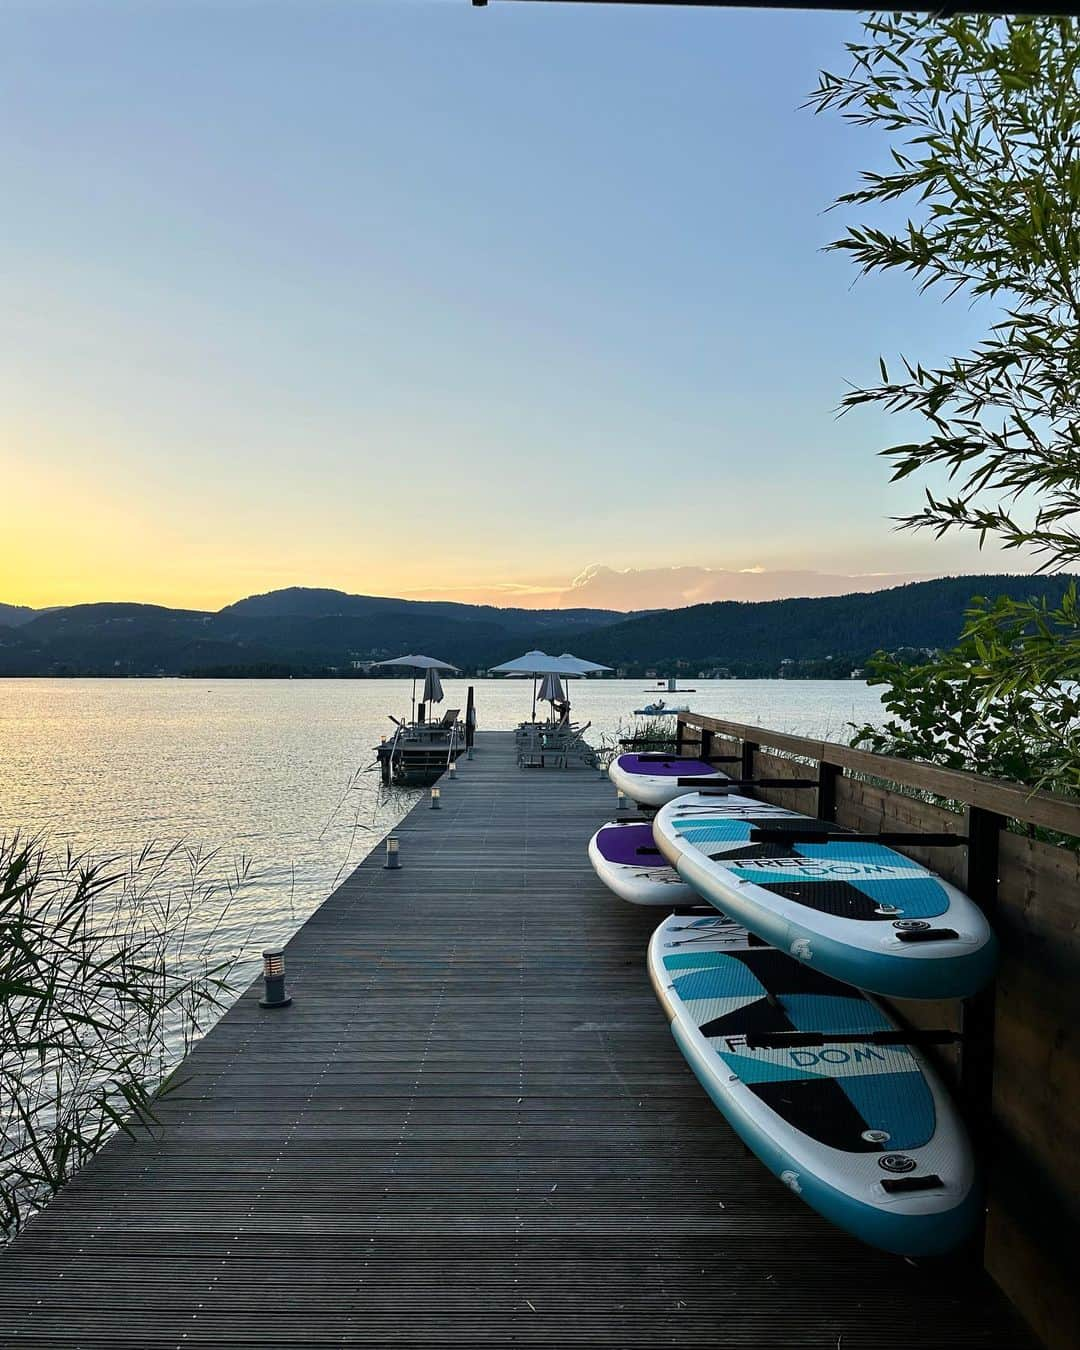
983,829
826,791
749,749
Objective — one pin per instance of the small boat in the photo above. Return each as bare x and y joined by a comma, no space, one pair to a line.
671,687
661,709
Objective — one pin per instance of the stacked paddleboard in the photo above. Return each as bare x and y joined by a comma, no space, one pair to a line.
816,1080
625,857
857,911
654,779
765,998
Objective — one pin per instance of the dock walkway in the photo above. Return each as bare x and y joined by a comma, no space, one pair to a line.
472,1127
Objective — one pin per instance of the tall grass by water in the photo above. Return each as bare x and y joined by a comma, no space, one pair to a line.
108,973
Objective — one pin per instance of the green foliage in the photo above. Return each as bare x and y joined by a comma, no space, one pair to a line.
103,986
983,112
991,704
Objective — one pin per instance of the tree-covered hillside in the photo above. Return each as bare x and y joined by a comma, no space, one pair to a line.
758,637
293,633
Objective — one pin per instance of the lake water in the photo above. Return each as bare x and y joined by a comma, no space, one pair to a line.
267,770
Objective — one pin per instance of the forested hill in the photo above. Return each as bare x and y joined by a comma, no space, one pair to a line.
757,638
307,632
297,631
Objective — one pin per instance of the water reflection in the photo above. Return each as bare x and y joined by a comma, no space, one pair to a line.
279,774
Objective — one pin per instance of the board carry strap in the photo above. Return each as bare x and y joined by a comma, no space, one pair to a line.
901,1185
925,934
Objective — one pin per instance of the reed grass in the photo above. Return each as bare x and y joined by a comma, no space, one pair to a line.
110,968
643,733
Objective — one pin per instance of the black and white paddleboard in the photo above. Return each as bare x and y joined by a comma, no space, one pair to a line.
820,1085
855,910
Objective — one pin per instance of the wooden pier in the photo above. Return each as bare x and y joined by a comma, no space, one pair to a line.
471,1127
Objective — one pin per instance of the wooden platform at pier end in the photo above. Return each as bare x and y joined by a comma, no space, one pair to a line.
472,1127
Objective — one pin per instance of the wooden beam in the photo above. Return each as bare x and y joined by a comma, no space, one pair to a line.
1012,800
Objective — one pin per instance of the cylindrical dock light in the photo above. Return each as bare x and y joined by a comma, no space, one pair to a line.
468,753
274,979
393,853
620,801
451,769
435,794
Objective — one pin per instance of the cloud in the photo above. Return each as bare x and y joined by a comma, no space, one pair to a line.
605,587
601,587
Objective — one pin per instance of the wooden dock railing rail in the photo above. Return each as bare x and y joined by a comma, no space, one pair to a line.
1017,1070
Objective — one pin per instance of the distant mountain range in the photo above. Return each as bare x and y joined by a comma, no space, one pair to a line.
301,631
293,631
14,615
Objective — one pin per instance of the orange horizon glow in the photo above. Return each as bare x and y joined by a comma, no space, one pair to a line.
38,597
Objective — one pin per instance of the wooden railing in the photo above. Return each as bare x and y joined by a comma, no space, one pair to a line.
1011,800
1017,1067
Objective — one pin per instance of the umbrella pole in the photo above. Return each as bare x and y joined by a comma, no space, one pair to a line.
534,699
413,717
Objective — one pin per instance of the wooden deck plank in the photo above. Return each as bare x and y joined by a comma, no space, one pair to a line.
471,1127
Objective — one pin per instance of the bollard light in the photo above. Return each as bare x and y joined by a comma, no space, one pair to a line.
452,769
620,801
393,853
435,794
469,754
274,980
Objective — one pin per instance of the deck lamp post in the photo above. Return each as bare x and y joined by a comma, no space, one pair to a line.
435,795
393,854
451,769
274,995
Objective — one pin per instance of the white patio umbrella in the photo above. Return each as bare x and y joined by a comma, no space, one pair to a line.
581,665
429,663
417,663
535,663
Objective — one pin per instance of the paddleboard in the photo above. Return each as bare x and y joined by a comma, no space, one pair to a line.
857,911
627,861
847,1115
653,779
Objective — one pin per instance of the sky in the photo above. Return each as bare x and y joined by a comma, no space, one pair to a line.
407,297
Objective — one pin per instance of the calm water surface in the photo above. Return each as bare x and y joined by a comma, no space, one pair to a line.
267,770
